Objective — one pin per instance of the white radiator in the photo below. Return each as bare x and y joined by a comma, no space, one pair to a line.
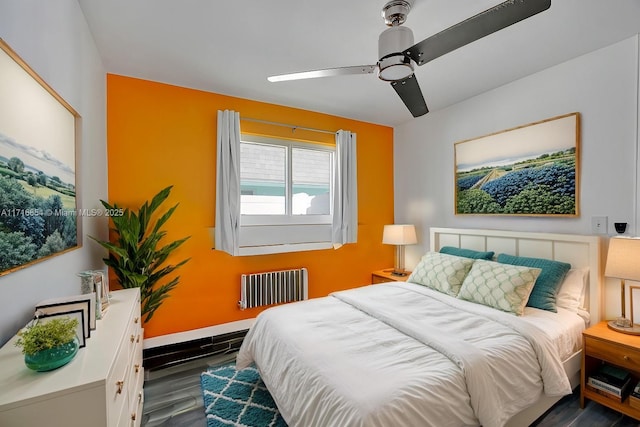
273,287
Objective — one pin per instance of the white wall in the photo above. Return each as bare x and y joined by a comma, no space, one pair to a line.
601,85
53,38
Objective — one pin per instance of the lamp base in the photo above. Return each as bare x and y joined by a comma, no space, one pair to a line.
631,329
399,273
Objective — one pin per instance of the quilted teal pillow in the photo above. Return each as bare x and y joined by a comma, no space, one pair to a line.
502,286
546,287
467,253
441,272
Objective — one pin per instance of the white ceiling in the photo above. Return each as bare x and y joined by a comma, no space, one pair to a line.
231,47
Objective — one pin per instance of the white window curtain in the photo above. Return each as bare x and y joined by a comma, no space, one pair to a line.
227,222
345,202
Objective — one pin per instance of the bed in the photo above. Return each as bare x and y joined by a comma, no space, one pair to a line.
413,355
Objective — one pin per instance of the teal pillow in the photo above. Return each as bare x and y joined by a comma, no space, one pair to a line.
467,253
546,287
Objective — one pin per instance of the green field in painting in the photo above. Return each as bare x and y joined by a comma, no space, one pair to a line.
68,202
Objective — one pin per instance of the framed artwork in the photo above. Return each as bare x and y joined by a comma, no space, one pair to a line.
73,314
85,301
531,170
38,141
65,307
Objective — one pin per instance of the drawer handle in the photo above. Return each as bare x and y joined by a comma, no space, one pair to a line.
136,320
133,416
625,357
138,338
137,367
120,385
139,397
133,338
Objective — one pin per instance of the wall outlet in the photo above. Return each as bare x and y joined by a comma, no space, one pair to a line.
599,224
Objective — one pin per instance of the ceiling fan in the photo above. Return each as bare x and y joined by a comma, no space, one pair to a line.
398,54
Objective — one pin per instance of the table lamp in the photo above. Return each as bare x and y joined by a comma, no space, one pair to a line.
399,235
623,262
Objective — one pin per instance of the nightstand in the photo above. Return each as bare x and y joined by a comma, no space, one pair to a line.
602,344
385,275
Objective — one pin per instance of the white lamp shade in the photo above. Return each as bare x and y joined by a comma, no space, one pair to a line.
399,234
623,258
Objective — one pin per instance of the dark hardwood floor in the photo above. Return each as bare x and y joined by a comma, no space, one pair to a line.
173,399
567,413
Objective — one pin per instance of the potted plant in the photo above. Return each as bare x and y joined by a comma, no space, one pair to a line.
47,345
134,255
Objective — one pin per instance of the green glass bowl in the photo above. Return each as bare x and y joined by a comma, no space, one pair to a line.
52,358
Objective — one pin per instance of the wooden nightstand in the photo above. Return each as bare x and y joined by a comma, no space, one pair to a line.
601,344
385,275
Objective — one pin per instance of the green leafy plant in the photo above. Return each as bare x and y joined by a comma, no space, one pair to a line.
45,335
135,257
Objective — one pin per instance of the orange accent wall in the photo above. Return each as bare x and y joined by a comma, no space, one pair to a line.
160,135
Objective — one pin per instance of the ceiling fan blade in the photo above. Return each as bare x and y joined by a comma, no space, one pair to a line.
329,72
474,28
409,91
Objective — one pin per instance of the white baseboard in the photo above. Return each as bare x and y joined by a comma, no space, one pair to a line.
195,334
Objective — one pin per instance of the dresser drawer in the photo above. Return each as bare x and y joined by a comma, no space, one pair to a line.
125,419
136,376
134,334
117,385
138,401
620,355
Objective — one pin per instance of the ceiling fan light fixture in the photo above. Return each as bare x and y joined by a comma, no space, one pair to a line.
394,67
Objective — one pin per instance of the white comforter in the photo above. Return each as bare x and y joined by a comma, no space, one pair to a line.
400,355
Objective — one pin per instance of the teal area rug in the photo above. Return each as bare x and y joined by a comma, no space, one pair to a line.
238,398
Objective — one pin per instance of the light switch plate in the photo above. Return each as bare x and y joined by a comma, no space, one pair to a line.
599,224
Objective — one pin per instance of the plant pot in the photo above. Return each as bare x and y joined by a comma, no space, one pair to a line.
52,358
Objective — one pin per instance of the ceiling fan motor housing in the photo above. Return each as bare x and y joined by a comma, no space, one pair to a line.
393,64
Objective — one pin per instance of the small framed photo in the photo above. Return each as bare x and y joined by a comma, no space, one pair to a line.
634,294
73,314
85,305
101,286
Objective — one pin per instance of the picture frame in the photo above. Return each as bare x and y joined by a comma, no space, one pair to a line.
530,170
85,304
101,285
39,136
74,314
631,292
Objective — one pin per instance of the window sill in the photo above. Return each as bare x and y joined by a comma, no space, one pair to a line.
284,248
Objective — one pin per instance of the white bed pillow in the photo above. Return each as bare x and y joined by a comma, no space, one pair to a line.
572,290
503,286
441,272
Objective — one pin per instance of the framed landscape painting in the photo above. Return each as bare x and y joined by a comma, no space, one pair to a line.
531,170
37,167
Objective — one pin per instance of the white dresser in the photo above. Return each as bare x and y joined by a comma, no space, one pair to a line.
101,386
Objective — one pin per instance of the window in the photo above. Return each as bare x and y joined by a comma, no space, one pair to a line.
285,182
286,195
286,191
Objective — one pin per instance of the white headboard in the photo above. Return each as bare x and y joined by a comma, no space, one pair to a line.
579,251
